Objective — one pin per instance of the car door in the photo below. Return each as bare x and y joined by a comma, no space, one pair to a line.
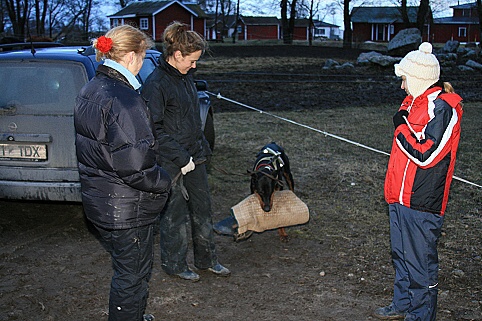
37,137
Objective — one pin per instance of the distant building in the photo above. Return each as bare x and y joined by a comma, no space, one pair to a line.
154,16
381,24
463,26
258,28
326,30
224,28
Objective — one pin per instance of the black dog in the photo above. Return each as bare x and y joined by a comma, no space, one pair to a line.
271,166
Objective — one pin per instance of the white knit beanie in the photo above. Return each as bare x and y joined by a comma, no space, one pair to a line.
421,69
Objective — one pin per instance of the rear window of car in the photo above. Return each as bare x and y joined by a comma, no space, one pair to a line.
147,68
36,87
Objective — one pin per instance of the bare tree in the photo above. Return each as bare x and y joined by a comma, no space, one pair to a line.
236,19
18,14
309,9
348,32
404,13
124,3
3,9
310,21
227,9
41,8
424,15
288,24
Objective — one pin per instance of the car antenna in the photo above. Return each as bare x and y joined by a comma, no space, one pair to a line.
32,49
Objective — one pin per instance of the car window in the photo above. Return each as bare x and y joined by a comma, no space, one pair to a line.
40,87
147,67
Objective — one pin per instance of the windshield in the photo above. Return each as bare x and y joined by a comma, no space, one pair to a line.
36,87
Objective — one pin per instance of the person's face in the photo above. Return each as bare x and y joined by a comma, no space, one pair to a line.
404,85
184,63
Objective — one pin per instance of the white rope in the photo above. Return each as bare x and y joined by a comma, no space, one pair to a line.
219,96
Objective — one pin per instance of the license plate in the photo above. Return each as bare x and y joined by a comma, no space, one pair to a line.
27,152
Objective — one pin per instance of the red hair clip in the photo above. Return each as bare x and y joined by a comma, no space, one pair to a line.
104,44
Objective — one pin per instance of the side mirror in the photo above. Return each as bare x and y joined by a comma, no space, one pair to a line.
201,85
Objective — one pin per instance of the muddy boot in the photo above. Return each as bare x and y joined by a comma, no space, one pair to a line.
242,236
226,226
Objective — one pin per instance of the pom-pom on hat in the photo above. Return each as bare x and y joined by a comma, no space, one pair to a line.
421,69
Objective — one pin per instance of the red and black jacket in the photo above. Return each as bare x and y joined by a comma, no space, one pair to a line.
423,153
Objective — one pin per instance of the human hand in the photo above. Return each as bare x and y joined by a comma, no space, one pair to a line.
189,167
398,118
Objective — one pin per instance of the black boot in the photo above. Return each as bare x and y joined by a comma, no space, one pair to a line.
226,226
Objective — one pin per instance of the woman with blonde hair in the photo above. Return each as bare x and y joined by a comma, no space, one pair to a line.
123,187
172,98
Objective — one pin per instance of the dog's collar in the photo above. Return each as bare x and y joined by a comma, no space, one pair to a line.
274,163
262,165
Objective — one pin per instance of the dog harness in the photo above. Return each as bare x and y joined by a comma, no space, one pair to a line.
271,161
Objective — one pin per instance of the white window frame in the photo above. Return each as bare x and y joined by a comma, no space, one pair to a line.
144,23
462,32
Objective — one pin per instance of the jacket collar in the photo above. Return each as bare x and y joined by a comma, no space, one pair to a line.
112,73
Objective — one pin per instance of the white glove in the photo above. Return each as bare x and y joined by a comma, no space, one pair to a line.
189,167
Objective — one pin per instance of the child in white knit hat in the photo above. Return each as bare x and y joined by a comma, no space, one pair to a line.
420,170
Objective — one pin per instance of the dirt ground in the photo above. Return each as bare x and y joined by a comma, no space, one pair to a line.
333,268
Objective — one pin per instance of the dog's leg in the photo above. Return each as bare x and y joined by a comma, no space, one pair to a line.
283,236
289,179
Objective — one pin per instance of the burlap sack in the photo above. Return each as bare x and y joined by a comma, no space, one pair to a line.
287,210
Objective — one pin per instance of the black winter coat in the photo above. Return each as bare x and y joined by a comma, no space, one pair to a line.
174,104
122,184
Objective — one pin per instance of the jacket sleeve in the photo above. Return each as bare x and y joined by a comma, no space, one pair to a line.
133,150
437,134
156,98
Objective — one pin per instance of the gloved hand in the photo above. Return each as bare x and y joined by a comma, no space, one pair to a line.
189,167
398,118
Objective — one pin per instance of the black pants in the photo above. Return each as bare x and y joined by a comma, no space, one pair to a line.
178,213
132,256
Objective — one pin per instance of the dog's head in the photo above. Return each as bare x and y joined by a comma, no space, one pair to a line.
264,183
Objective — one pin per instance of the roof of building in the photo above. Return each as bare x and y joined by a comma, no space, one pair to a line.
150,8
457,20
381,14
465,6
260,21
322,24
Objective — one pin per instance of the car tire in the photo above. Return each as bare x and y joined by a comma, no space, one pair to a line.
209,130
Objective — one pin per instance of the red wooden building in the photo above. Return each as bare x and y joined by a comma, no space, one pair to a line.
381,24
154,16
261,28
302,29
463,26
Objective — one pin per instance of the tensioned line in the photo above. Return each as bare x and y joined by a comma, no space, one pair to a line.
219,96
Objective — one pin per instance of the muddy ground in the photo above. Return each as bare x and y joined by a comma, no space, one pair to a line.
336,267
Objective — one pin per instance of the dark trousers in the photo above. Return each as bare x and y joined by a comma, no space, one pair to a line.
178,213
132,252
414,236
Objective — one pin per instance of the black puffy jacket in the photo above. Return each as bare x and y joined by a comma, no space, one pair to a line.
173,101
122,184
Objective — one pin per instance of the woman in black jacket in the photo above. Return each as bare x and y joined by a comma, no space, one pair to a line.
171,95
123,187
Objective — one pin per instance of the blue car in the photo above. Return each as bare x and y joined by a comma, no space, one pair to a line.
37,136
